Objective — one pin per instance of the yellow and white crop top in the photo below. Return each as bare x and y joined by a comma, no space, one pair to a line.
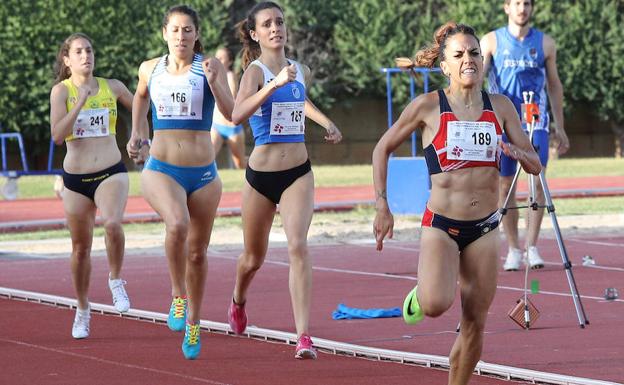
98,116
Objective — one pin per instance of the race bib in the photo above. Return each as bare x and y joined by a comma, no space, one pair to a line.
173,100
92,123
471,141
287,118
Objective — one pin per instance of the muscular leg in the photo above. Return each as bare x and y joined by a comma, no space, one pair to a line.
80,214
478,274
257,216
111,197
217,141
237,147
202,206
168,199
296,208
438,267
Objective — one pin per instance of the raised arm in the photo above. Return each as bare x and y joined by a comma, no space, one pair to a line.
252,92
61,120
217,80
411,119
555,94
520,147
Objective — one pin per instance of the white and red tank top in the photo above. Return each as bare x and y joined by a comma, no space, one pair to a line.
463,144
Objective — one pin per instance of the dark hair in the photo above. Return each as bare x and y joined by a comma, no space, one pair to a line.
190,12
509,1
61,71
427,56
251,48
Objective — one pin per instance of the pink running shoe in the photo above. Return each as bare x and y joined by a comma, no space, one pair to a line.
237,317
304,349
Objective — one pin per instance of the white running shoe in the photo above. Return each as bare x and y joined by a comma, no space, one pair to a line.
514,258
533,258
80,329
120,297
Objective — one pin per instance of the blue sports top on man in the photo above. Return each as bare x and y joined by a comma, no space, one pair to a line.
519,66
181,101
281,118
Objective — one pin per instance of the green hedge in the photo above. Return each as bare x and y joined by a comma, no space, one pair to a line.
344,43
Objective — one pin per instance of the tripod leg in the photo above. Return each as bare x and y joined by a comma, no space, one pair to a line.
580,311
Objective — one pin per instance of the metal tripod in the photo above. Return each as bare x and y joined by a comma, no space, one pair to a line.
550,207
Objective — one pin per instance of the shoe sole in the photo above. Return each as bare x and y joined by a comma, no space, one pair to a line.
537,267
306,354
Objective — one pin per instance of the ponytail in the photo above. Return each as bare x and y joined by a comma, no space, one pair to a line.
251,49
428,56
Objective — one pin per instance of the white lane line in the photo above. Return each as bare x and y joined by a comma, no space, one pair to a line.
109,362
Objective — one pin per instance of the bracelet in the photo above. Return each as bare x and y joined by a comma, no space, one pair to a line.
144,142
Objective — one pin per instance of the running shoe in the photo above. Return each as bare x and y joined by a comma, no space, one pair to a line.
304,349
80,328
533,258
191,345
120,297
412,313
514,258
177,314
237,317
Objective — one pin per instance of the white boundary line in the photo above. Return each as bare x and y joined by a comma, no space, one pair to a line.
325,345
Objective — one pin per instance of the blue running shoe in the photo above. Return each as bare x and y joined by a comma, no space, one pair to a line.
191,344
177,314
412,313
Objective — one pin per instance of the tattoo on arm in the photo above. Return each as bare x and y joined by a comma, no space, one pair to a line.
382,194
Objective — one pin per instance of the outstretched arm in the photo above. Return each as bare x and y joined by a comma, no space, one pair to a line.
311,111
411,119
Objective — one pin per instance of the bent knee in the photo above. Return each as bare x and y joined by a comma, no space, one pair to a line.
177,229
250,261
435,306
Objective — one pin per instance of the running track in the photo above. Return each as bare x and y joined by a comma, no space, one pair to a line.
36,347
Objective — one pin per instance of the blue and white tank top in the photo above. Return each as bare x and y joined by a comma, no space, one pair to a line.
181,101
281,118
519,66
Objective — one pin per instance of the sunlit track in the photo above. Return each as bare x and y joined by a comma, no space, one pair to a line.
324,345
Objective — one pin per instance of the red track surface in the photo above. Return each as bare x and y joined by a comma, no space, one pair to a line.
343,273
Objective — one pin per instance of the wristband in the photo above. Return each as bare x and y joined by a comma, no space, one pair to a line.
144,142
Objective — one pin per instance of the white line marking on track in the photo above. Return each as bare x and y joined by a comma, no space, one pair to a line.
101,360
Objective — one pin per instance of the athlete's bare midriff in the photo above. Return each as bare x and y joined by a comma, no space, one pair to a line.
183,147
465,194
278,156
88,155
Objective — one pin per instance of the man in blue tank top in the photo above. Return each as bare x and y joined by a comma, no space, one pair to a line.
520,59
